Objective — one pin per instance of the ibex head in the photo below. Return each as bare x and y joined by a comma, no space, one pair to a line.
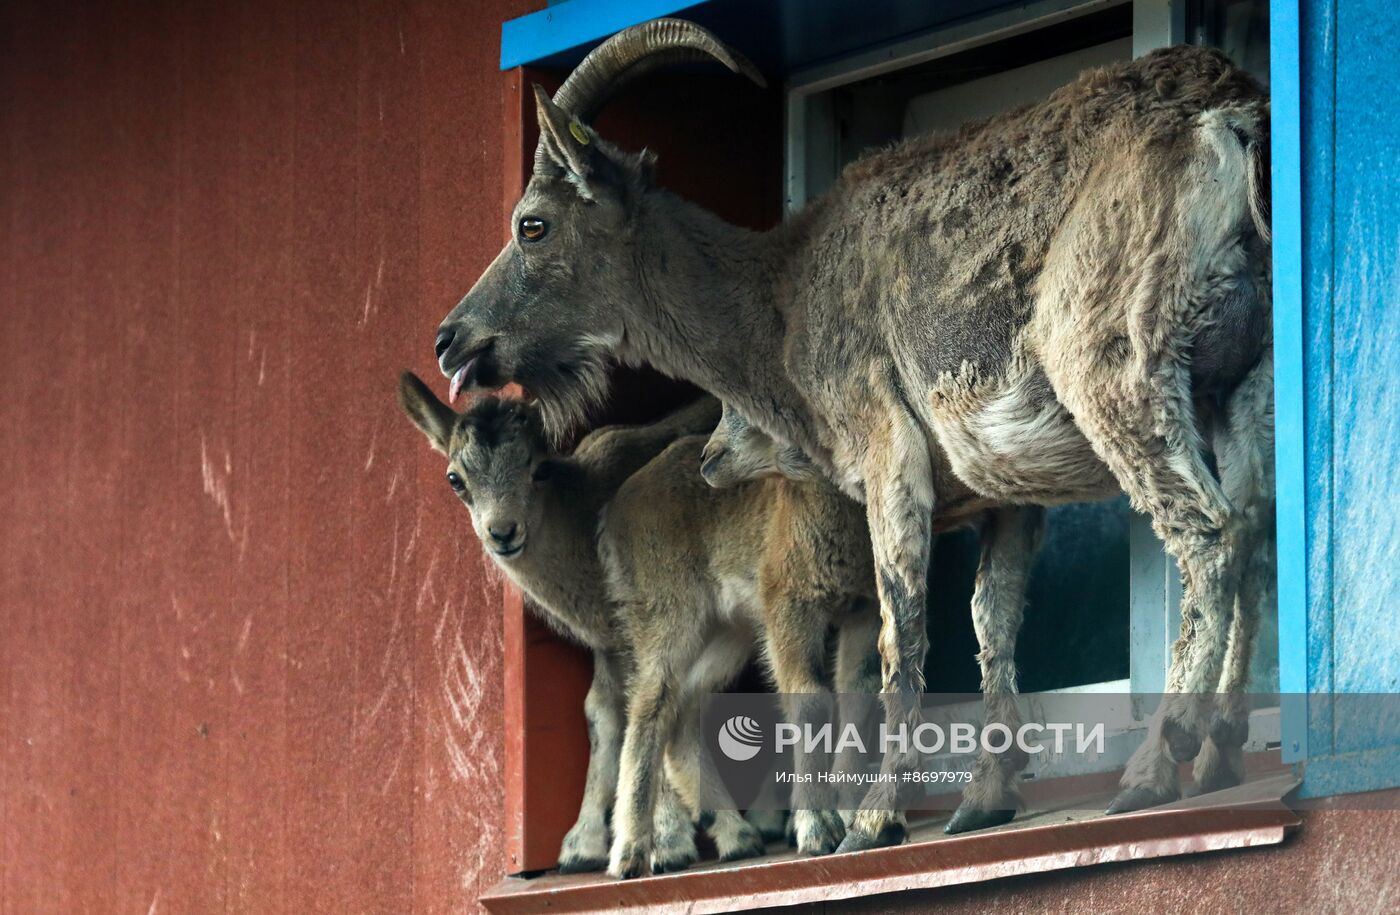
546,312
738,452
496,461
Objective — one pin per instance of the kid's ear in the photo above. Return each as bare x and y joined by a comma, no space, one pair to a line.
571,145
433,417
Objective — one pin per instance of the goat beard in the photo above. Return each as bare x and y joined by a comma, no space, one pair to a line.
568,387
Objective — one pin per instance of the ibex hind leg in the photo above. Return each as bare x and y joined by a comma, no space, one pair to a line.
692,771
1138,416
1010,539
1158,255
796,649
857,676
1243,443
673,830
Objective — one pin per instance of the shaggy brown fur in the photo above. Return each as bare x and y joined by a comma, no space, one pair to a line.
1024,313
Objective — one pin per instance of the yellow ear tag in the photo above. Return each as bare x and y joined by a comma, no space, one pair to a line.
577,130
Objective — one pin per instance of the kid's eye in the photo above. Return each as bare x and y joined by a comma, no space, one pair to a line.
455,481
543,471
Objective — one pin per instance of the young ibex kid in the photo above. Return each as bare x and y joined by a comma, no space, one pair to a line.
699,576
536,514
739,451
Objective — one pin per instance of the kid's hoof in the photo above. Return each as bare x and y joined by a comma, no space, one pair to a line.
667,864
585,850
1130,799
819,832
772,825
674,852
968,818
629,861
580,865
1181,743
893,834
746,845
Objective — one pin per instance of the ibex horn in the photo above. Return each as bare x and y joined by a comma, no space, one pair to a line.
633,52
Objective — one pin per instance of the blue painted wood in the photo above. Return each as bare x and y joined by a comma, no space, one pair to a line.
778,35
1351,773
1317,28
1289,381
1350,281
1366,355
562,27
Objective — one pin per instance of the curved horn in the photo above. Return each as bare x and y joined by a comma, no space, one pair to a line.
633,52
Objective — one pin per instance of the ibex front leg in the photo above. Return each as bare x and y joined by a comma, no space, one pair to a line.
1009,542
899,506
586,844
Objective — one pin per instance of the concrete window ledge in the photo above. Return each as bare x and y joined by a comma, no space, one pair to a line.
1053,835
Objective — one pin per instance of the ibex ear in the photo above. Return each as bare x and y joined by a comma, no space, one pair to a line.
433,417
570,144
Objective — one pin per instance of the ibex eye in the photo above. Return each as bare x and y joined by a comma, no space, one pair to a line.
455,481
532,228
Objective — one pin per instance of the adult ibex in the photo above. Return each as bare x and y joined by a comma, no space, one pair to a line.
1031,311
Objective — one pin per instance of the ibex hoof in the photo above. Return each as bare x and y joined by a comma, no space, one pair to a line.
771,824
1218,769
893,834
630,861
582,865
1140,798
1218,780
1183,743
674,852
585,849
968,818
1229,732
668,864
819,832
746,845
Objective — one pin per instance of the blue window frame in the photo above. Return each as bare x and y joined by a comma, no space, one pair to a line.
1289,410
1336,222
1337,261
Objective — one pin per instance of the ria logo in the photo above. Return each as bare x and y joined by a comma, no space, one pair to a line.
740,738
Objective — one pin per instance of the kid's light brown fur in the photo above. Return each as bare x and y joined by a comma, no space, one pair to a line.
496,450
702,575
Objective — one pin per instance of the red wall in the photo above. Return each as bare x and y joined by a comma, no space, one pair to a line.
249,659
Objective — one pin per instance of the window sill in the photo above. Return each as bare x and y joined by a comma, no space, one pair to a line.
1053,835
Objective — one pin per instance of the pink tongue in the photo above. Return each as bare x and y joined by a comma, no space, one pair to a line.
456,387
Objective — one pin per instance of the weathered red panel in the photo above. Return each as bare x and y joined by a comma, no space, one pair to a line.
250,659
